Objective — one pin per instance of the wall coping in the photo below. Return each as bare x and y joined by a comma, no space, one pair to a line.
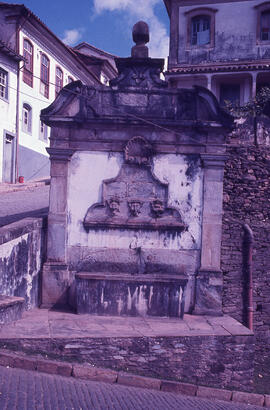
19,228
90,372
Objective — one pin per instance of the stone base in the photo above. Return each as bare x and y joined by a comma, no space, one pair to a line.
204,350
138,295
55,285
11,309
208,297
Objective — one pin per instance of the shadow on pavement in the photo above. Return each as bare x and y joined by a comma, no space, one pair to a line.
37,213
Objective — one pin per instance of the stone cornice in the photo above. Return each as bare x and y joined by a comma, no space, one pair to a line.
60,154
213,160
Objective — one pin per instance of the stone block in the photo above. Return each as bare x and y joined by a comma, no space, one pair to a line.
11,309
64,369
94,373
138,381
25,363
248,398
6,359
55,284
209,287
49,366
181,388
211,393
267,401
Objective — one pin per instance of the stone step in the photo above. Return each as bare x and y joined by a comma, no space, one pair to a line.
11,309
130,295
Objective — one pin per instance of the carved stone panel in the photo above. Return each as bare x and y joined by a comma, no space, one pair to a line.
135,199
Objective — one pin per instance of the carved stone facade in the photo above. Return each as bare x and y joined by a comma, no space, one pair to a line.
136,195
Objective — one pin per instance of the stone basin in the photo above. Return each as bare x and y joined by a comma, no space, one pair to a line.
131,295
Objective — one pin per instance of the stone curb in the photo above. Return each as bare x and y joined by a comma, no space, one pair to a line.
7,188
88,372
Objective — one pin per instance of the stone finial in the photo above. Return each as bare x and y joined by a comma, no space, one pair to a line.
140,34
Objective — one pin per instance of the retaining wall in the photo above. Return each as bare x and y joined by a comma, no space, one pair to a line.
22,247
247,199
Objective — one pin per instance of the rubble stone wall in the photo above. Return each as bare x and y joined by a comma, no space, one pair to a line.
213,361
21,254
247,199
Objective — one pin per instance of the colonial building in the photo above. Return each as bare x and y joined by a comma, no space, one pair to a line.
98,61
47,66
221,45
9,69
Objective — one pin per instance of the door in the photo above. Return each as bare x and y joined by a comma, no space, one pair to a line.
9,158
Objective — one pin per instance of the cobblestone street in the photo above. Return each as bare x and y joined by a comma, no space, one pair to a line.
26,390
22,204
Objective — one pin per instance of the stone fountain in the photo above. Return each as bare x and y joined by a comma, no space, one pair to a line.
134,226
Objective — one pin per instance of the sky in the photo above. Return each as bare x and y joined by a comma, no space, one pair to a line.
106,24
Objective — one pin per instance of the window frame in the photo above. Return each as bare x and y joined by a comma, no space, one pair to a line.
261,8
5,86
58,87
43,136
28,74
200,11
27,127
46,84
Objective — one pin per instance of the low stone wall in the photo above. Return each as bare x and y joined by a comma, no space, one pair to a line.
214,361
21,254
247,199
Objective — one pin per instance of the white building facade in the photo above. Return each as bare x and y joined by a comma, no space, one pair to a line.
222,45
47,65
9,64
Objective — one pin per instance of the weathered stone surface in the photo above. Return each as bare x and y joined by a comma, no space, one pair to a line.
21,252
247,201
11,309
24,362
136,119
210,393
209,286
248,398
55,284
181,388
216,361
94,373
6,359
267,401
138,381
122,294
47,366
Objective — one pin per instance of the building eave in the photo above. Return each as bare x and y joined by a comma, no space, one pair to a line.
220,67
5,49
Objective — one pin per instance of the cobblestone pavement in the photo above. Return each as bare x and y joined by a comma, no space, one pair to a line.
22,204
26,390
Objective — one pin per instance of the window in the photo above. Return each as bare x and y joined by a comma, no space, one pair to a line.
43,131
263,22
230,93
58,80
28,64
200,30
3,84
201,27
104,79
265,26
70,79
44,75
27,118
